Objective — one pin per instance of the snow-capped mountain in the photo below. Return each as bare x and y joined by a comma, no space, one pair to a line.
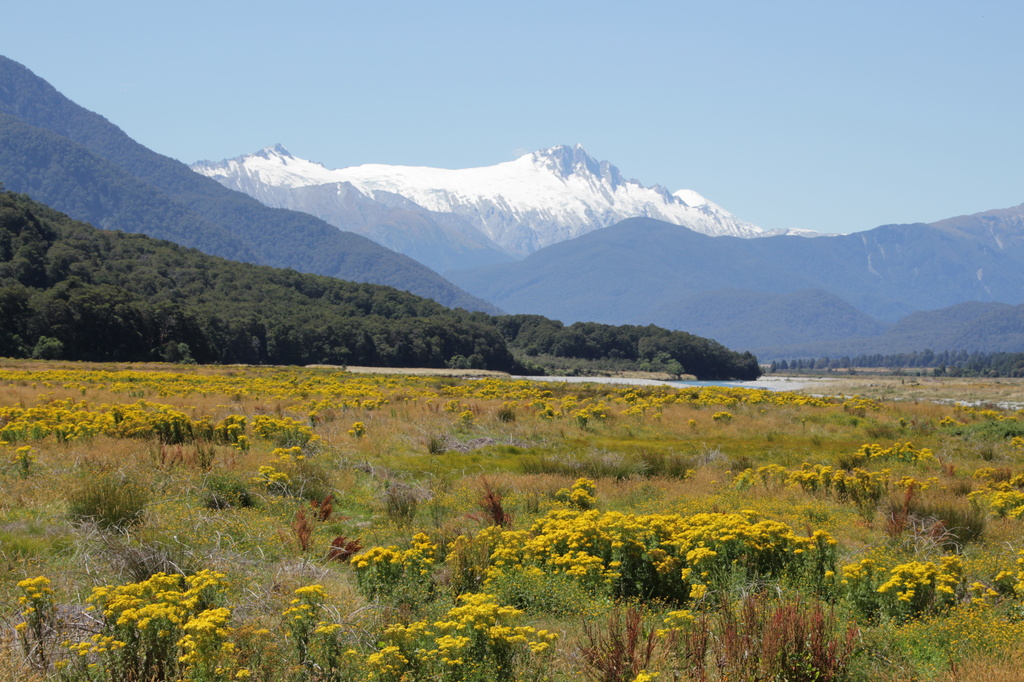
515,207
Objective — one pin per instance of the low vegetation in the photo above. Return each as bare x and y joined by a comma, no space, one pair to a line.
165,523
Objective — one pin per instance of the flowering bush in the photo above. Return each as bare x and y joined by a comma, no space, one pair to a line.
395,574
283,431
858,486
580,496
900,452
161,627
40,613
70,421
477,639
1001,499
23,460
665,556
906,590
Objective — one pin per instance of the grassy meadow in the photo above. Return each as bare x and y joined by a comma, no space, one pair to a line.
162,522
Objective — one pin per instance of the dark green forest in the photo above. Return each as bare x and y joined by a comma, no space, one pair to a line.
70,291
647,348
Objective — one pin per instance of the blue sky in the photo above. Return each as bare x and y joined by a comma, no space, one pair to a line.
818,115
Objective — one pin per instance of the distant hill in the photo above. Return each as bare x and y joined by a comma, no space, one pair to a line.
643,271
80,163
972,327
741,318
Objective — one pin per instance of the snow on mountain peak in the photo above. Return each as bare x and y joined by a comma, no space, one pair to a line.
536,200
273,166
275,150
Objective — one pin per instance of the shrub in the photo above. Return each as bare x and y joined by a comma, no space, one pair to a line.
580,496
399,576
899,452
285,432
663,556
48,348
158,629
38,631
469,559
539,592
301,618
23,460
294,474
477,639
905,591
224,491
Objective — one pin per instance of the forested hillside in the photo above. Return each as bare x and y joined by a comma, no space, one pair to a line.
82,164
68,290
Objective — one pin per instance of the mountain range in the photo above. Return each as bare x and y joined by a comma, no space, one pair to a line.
554,232
473,216
558,233
780,296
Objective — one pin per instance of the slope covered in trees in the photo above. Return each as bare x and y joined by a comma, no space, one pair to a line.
68,290
82,164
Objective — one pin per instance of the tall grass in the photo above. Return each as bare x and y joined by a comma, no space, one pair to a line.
112,501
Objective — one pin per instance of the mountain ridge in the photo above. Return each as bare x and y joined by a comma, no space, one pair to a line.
271,236
642,271
518,206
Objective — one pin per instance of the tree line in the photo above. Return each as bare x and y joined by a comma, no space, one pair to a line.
952,363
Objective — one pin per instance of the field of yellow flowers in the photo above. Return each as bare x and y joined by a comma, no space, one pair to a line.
255,523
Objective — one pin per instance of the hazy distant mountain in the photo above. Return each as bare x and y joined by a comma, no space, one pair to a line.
80,163
748,319
644,271
970,326
514,208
